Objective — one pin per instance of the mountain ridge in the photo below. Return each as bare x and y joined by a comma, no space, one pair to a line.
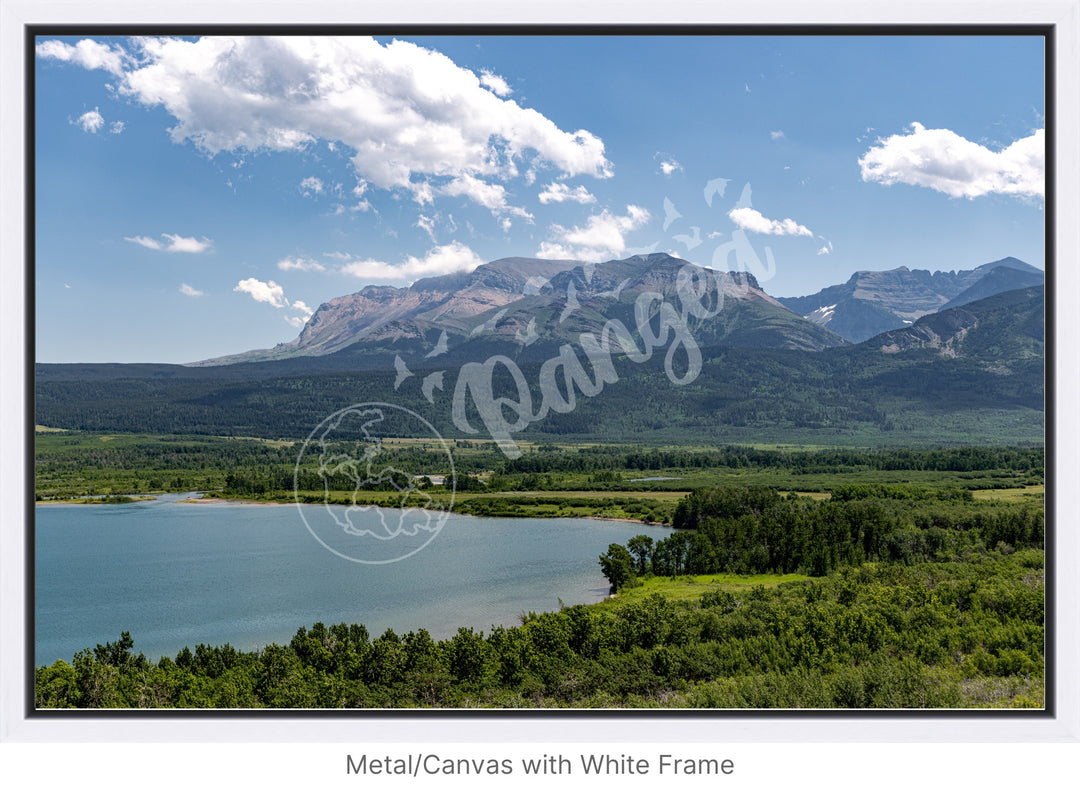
969,375
872,302
529,299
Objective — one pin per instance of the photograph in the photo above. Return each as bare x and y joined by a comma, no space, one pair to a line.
692,371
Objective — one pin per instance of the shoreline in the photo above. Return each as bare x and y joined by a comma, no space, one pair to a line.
238,501
92,501
200,500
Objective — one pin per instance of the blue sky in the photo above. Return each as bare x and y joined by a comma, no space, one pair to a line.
200,197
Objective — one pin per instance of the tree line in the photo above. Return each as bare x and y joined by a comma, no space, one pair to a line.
748,530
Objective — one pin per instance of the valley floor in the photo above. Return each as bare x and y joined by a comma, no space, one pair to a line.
934,601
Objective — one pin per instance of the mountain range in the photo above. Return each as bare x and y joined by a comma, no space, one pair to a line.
532,307
872,302
688,355
529,307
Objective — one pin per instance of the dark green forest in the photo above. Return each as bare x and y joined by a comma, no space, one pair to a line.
842,396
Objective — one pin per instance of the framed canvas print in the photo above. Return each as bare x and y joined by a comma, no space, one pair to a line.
491,373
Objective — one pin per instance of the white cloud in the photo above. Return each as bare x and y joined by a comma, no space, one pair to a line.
299,321
775,135
422,193
413,118
560,192
446,259
310,186
752,220
87,53
947,162
492,197
438,220
91,121
174,243
669,167
826,249
269,292
143,240
427,224
178,243
488,195
274,295
300,264
602,237
496,83
187,290
117,128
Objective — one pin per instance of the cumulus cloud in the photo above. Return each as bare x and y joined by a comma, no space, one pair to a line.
269,292
117,128
413,119
87,53
310,186
602,237
300,264
298,321
187,290
826,248
91,121
776,135
752,220
947,162
670,166
495,83
304,316
560,192
173,243
491,196
446,259
274,295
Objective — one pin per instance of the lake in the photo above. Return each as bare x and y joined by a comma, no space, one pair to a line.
179,574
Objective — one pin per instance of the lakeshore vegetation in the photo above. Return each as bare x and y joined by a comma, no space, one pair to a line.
763,577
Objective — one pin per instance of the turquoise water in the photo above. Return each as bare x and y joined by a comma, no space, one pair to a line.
176,574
